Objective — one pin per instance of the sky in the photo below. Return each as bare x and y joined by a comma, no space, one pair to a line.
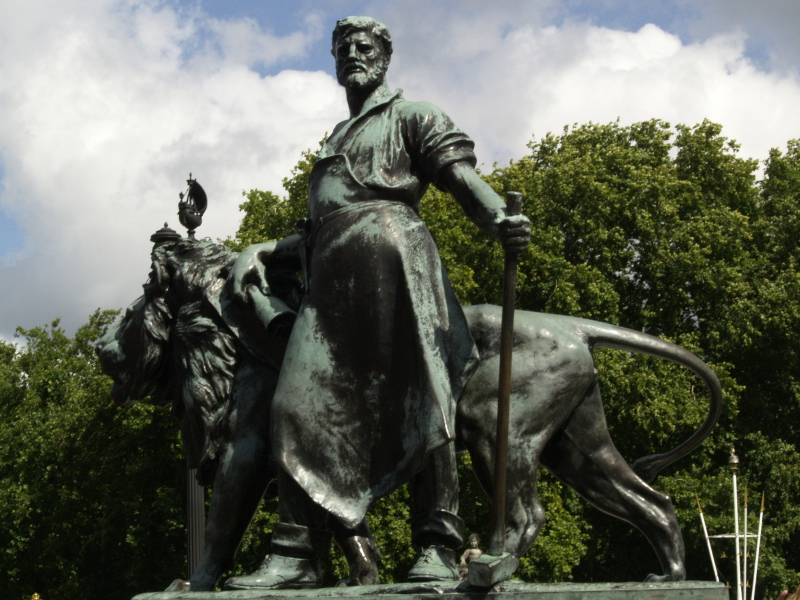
107,106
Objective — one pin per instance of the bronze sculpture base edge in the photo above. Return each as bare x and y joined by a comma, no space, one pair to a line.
510,590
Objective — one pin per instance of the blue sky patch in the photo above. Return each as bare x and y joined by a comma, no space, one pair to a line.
12,238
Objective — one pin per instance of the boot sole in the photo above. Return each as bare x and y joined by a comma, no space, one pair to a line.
428,578
288,586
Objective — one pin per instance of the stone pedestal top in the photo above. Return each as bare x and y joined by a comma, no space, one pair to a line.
510,590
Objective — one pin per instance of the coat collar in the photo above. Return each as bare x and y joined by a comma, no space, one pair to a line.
372,105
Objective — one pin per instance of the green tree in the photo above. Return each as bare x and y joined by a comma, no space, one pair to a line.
659,228
269,217
90,495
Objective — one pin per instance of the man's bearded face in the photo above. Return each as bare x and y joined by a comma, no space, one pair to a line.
360,61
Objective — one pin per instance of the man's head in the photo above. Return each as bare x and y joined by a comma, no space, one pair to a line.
362,48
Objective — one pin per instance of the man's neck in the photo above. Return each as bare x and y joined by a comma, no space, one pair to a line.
356,99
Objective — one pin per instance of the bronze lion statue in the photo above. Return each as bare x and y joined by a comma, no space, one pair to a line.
185,343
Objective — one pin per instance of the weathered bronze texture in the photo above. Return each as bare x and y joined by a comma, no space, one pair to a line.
362,378
380,351
182,345
510,590
497,565
497,528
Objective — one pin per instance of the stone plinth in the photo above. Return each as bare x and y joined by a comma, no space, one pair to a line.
510,590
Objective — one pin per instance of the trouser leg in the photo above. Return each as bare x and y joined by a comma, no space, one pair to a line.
434,502
303,528
436,528
298,541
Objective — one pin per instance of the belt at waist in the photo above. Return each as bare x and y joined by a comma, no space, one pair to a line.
308,229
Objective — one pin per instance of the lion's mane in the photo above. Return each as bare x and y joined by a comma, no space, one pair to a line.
199,351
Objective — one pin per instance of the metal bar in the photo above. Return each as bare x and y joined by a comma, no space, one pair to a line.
758,548
736,532
708,541
195,520
498,523
744,549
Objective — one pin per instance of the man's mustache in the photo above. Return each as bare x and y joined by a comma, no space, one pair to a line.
353,65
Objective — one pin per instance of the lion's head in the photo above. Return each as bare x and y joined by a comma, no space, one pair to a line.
171,345
134,352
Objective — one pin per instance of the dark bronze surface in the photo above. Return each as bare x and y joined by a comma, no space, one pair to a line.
510,590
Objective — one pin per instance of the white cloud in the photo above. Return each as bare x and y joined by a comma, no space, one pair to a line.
101,125
106,106
770,27
530,80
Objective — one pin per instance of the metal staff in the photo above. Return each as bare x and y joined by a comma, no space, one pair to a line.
758,547
708,540
733,461
498,530
497,565
744,549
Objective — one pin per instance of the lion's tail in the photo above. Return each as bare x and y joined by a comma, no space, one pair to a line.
605,335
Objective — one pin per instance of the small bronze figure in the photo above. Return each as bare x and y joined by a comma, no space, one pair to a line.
471,553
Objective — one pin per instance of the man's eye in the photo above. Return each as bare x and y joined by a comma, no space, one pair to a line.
364,48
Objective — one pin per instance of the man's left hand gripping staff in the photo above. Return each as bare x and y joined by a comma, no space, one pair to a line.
515,233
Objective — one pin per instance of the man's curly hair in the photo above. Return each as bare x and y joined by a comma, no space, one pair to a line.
351,24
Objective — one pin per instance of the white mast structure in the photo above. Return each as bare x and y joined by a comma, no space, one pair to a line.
740,537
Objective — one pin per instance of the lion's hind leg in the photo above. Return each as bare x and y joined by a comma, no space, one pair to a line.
525,515
583,456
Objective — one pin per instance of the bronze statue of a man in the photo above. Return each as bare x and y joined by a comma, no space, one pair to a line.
380,351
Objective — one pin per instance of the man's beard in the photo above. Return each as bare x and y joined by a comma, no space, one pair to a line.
359,80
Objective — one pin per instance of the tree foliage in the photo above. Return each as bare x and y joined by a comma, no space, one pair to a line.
90,495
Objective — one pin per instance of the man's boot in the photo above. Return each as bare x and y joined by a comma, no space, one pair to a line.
437,533
292,564
435,563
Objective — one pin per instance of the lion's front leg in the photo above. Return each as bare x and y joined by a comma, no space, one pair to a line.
244,472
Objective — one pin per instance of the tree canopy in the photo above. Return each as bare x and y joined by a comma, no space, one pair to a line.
658,228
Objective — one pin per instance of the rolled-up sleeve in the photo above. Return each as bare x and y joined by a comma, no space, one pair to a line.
437,140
